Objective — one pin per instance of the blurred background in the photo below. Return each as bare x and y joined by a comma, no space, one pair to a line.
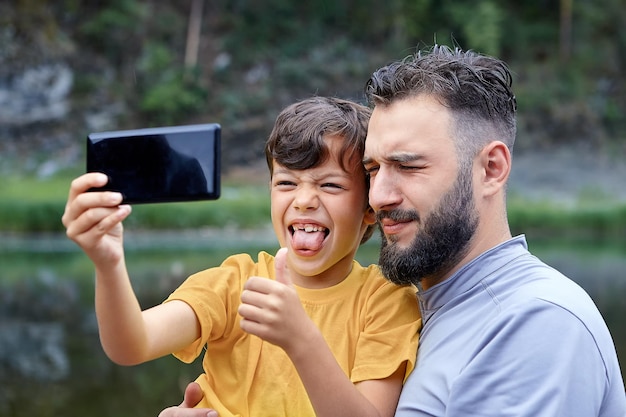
71,67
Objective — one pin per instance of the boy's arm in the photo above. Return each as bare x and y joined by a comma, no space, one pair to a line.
332,393
272,311
94,221
130,336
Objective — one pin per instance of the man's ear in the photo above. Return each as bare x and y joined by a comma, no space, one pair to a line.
495,167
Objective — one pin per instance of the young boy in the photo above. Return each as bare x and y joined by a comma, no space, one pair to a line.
308,332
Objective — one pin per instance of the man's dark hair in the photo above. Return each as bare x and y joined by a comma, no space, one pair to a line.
476,88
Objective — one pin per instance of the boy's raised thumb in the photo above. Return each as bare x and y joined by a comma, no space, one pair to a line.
193,395
280,264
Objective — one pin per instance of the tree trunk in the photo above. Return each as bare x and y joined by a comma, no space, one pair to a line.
565,43
193,33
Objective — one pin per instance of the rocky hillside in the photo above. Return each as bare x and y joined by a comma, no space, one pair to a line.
67,69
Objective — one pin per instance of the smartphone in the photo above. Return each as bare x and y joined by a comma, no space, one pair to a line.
158,165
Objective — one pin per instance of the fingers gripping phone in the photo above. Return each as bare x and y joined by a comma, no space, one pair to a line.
157,165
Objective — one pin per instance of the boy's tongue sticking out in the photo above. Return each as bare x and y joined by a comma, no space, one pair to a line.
308,237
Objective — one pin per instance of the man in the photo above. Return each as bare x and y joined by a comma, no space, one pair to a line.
503,333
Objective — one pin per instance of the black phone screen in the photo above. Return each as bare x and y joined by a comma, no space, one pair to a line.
164,164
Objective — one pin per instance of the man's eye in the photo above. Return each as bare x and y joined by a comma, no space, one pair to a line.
409,168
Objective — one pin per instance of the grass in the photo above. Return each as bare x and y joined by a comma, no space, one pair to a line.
31,205
586,219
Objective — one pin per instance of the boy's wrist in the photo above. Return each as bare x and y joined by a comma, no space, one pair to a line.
301,347
111,271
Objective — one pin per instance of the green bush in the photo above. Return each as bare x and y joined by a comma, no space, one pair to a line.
169,93
115,30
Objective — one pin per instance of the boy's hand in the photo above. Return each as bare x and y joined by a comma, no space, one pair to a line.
272,309
193,395
93,219
280,265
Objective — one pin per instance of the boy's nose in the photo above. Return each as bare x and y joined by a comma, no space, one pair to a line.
306,199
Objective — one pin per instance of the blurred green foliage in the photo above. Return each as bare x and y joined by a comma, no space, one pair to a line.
169,93
255,57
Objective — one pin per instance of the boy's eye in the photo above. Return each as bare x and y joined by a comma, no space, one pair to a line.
284,183
332,185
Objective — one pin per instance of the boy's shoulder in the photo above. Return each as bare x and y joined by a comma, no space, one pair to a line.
372,276
369,271
240,264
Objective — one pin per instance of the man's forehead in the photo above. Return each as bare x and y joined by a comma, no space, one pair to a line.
408,129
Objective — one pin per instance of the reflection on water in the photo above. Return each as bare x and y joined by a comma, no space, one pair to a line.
51,362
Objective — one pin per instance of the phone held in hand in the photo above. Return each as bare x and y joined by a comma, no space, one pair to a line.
158,165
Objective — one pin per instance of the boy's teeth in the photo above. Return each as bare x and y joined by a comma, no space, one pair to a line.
309,228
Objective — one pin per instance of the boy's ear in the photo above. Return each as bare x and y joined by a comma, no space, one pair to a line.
370,216
495,167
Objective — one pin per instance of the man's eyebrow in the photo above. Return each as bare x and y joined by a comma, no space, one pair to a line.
403,157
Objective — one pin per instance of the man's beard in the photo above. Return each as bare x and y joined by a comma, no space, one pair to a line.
440,243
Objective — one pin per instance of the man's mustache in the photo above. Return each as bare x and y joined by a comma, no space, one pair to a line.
397,215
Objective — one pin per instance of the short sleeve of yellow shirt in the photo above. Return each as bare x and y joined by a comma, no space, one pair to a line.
370,324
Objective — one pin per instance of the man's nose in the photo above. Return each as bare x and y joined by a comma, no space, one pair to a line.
384,192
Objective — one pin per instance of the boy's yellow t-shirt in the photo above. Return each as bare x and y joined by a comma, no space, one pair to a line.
370,324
